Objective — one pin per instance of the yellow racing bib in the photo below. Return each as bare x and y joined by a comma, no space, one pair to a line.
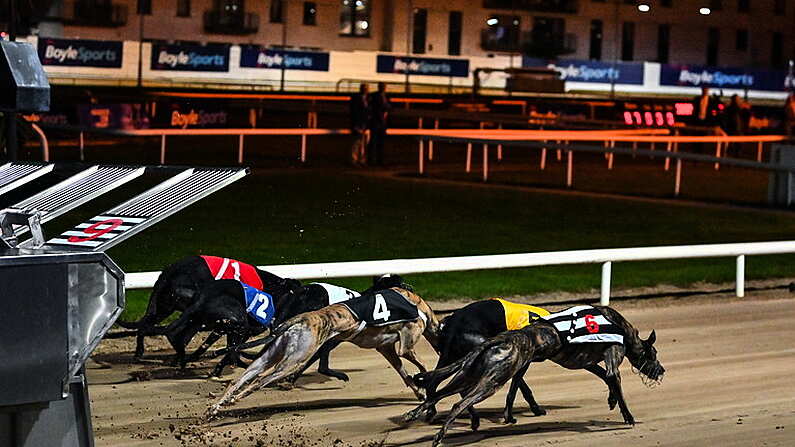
518,316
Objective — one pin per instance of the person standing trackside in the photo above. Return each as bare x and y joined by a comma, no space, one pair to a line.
360,119
789,116
379,114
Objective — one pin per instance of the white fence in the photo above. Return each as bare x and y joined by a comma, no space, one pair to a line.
606,257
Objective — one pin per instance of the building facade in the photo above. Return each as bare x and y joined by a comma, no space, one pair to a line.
741,33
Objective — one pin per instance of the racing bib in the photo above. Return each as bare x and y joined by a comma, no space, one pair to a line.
337,294
518,315
382,308
259,304
585,324
225,268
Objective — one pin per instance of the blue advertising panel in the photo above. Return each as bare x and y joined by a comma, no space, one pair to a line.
190,57
80,53
591,71
257,57
722,77
422,66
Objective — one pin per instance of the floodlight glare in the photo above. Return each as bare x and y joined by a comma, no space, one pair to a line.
644,7
705,11
492,21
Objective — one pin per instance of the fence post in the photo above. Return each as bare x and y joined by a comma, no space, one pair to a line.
499,146
543,157
668,160
469,157
421,156
430,142
82,147
607,269
678,181
485,162
163,149
303,148
610,155
570,169
240,149
740,276
717,154
759,151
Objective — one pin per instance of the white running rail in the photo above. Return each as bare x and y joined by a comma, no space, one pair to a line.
606,257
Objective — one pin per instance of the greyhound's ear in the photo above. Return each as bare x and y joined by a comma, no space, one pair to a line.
652,338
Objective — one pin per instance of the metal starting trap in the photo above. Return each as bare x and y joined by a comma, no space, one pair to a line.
59,297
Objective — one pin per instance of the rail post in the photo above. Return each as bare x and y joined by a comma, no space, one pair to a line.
303,148
45,145
667,159
469,157
740,288
82,147
430,142
422,157
499,146
569,168
611,155
607,270
240,149
759,152
543,157
717,155
163,149
559,151
678,181
485,162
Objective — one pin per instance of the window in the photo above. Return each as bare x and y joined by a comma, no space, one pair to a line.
743,5
741,43
355,18
420,30
310,13
454,33
713,44
277,11
501,33
716,5
668,3
595,51
144,7
183,8
663,42
780,7
627,41
777,50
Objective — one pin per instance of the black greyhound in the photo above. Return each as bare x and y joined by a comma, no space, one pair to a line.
221,307
177,285
470,326
486,369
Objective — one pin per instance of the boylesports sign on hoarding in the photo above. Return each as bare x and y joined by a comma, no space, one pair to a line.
722,77
257,57
190,57
574,70
422,66
80,53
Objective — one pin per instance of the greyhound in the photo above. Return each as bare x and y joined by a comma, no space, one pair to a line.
378,320
179,282
612,339
486,369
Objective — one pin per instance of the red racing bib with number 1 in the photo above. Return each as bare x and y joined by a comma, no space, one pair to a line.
225,268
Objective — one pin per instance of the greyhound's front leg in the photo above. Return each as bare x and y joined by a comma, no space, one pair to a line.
509,400
613,357
391,356
600,372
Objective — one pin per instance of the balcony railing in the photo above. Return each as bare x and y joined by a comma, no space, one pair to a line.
219,22
93,13
561,6
549,47
490,42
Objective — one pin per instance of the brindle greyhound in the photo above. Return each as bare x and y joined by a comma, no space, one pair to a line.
295,342
486,369
641,354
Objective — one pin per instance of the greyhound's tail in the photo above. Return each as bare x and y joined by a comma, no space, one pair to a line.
251,344
160,287
424,380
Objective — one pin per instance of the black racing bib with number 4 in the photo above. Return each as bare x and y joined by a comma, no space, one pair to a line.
382,307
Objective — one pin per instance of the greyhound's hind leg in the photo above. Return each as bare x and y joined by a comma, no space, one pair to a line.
483,390
411,356
209,341
392,357
509,400
527,393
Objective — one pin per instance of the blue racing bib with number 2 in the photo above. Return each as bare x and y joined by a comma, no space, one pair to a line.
259,304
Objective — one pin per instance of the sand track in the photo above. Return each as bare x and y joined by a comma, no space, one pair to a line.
728,382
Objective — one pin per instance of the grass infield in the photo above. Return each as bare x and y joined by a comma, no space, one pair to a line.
302,215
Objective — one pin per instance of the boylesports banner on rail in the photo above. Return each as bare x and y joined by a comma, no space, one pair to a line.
723,77
80,53
258,57
190,57
574,70
425,66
